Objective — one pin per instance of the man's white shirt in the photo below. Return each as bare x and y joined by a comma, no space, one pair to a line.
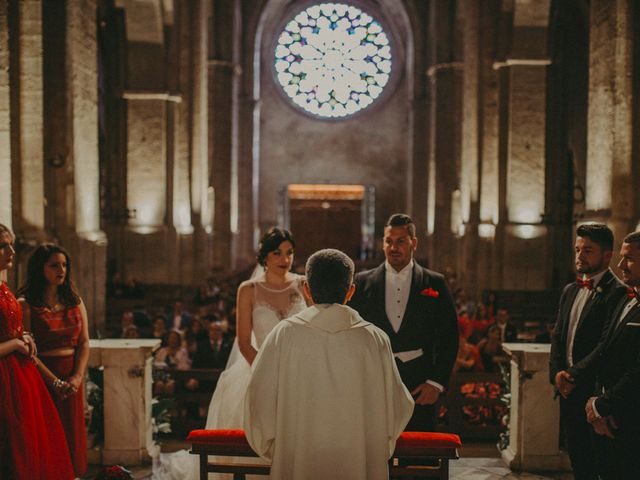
396,292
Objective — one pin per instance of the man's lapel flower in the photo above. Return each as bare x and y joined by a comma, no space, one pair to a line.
598,289
430,292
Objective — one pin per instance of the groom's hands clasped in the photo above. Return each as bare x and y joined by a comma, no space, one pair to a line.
425,394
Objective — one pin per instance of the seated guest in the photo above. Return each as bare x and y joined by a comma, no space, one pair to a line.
212,352
508,332
194,335
325,399
143,322
491,351
174,355
179,319
545,336
126,321
131,332
468,358
159,329
481,321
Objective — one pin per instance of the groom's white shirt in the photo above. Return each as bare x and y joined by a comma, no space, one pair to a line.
325,398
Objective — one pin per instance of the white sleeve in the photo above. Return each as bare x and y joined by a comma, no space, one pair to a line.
260,404
399,402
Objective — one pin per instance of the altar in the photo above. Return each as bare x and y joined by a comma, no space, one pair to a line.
534,416
128,436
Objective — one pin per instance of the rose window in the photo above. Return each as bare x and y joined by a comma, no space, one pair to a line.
333,60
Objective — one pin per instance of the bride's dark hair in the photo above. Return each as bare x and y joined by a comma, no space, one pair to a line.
270,242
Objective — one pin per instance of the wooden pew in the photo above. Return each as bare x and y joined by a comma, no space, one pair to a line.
414,450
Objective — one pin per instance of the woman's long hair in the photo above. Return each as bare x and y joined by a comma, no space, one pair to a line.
36,284
7,230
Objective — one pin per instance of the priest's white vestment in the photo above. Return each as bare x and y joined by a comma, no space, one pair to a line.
325,400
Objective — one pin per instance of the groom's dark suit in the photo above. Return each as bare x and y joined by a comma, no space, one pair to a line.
429,323
616,362
590,326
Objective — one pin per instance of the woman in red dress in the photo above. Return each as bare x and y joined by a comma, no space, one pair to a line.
55,313
32,445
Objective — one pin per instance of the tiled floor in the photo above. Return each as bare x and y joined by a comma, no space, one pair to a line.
494,469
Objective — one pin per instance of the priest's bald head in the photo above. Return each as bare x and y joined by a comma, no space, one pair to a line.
329,277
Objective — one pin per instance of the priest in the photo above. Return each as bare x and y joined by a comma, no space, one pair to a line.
325,398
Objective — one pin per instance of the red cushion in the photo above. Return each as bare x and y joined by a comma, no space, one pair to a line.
428,440
219,437
407,440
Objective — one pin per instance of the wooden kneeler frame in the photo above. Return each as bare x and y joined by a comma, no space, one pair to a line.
417,454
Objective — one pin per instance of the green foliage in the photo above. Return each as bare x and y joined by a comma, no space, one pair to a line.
161,415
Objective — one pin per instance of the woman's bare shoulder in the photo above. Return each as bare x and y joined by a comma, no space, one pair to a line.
246,287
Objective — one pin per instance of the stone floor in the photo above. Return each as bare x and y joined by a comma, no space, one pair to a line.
477,462
494,469
482,468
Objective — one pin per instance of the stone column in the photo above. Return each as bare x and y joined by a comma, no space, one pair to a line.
201,194
5,118
87,241
444,155
610,192
471,153
488,258
27,96
221,120
146,235
525,195
180,80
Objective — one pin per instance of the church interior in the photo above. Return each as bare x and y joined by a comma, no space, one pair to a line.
157,140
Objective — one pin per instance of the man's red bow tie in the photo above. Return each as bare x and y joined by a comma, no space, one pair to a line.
588,283
631,293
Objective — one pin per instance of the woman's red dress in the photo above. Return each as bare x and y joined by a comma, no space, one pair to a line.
32,442
59,330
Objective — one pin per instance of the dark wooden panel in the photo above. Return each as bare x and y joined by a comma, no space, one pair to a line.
318,224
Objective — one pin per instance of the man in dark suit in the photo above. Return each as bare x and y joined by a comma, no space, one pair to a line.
414,307
508,331
614,412
214,351
582,317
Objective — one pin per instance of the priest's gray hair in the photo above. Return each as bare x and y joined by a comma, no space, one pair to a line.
329,275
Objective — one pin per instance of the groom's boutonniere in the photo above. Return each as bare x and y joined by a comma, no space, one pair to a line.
430,292
598,289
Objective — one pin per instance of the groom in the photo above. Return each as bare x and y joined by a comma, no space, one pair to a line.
414,307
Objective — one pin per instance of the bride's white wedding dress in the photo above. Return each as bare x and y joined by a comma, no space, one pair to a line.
226,410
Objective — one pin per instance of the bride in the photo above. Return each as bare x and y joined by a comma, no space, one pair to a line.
272,294
262,302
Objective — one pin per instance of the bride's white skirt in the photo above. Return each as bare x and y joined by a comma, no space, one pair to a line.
226,411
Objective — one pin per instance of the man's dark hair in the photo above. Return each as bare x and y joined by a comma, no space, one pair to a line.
633,237
402,220
270,242
329,275
598,233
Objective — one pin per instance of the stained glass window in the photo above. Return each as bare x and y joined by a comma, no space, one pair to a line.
333,59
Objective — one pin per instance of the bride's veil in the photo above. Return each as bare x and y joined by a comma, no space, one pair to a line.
235,354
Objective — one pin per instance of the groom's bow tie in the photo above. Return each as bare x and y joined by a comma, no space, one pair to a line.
585,282
631,294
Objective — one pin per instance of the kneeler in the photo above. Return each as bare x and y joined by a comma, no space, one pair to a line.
413,451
